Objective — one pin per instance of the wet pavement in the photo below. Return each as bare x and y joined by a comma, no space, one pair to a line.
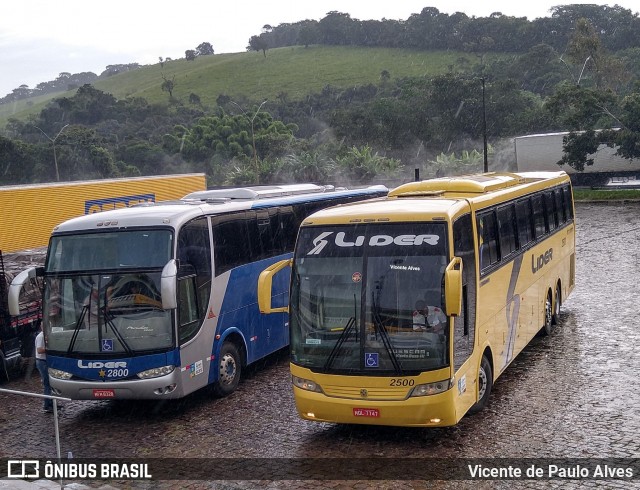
571,395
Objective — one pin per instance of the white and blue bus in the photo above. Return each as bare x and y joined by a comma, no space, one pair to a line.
158,300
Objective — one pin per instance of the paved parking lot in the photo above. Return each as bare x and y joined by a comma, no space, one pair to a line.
571,395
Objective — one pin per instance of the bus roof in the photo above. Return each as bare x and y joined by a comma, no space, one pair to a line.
439,199
173,213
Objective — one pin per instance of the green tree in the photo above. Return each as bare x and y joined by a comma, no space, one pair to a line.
363,165
579,147
307,35
576,108
204,49
168,85
258,43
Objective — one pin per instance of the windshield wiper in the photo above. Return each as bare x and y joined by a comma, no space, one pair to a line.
108,318
76,329
343,336
384,335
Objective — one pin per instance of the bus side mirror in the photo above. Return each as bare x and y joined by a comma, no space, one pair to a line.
168,285
265,287
453,287
16,286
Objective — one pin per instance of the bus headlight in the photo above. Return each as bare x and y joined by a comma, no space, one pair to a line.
431,388
306,384
56,373
156,372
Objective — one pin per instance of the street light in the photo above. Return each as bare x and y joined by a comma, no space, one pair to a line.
253,136
53,141
582,71
485,166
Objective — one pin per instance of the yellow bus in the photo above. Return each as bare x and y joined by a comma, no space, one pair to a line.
405,309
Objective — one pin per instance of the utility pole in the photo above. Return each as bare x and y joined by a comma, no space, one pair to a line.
484,130
53,141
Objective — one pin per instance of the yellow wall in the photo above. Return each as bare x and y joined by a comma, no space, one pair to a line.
29,213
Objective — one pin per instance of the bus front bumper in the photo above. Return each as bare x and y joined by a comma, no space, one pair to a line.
162,387
424,411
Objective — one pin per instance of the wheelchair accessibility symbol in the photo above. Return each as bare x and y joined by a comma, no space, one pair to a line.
371,359
107,345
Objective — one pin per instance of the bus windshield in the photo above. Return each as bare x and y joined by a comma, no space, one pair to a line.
368,299
102,294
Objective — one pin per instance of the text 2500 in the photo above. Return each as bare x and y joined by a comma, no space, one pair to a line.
401,382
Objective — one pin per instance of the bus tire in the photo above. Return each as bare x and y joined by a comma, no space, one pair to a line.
547,328
4,373
556,305
230,370
485,383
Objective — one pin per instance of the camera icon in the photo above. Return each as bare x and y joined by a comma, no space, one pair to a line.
23,468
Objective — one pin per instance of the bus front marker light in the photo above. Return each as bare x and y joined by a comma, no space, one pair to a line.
306,384
156,372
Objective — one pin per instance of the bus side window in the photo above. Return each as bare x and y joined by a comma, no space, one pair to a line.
568,202
550,209
194,276
231,241
288,229
507,230
488,239
539,225
188,318
560,208
525,225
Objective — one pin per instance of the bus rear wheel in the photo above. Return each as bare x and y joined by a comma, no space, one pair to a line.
556,305
548,315
485,383
4,373
230,370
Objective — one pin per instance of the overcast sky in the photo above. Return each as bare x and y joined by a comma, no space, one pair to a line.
39,39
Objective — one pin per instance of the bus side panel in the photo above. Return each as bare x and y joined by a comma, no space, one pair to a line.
523,285
263,334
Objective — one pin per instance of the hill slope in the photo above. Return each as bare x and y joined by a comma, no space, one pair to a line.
291,71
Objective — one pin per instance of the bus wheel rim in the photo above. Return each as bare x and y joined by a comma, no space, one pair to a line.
548,312
482,381
227,369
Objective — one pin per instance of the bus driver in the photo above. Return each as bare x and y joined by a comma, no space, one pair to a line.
428,318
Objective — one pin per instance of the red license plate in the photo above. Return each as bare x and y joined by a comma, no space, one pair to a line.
366,412
103,394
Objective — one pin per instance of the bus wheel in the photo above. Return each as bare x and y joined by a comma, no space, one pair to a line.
548,315
556,305
4,374
230,370
485,383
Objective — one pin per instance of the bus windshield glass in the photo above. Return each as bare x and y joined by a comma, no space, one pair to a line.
112,250
102,294
368,299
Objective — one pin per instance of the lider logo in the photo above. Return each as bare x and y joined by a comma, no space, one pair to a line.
539,262
375,241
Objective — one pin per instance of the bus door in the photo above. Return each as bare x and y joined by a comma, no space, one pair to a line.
464,334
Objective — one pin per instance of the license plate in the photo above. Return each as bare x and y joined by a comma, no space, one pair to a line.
104,393
366,412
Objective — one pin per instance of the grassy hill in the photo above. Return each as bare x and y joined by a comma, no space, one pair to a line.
295,71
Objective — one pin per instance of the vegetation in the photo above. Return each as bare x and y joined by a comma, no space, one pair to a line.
340,100
606,194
